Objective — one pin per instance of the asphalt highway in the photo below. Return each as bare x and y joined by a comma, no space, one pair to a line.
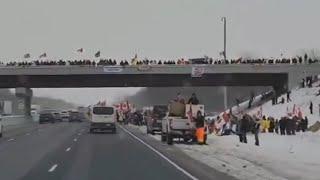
67,151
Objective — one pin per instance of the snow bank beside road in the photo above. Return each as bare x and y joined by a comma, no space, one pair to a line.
278,157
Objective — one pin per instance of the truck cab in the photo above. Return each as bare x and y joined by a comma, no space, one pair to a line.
103,118
181,122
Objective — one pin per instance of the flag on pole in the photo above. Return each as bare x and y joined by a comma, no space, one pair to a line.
27,55
221,53
190,112
128,106
43,55
97,54
80,50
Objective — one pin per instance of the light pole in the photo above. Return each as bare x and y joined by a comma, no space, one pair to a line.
225,91
224,20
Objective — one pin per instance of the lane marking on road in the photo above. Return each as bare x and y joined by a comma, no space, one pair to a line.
68,149
79,134
161,155
53,168
75,139
11,139
27,134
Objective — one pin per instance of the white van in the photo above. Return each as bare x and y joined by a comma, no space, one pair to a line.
103,118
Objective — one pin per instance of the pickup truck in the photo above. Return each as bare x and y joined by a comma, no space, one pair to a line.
180,122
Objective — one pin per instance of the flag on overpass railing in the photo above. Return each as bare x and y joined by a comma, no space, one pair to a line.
97,54
27,55
197,71
80,50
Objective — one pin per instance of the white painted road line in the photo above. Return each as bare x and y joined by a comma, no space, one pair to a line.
75,139
79,134
53,168
11,139
160,154
68,149
27,134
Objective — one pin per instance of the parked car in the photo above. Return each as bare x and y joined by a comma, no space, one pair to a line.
64,115
57,116
47,116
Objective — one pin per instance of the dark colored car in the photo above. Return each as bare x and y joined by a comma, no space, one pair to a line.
47,116
57,116
75,116
154,119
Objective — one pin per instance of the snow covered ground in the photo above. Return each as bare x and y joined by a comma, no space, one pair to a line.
278,157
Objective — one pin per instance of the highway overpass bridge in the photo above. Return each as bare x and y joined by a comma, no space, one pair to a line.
279,76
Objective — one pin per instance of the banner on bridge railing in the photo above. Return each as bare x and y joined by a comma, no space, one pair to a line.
197,71
112,69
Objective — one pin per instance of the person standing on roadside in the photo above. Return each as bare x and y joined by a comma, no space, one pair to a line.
256,129
244,127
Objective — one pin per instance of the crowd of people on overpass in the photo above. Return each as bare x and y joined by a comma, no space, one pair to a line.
180,61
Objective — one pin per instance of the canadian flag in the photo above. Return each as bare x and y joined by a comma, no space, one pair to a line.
190,112
300,113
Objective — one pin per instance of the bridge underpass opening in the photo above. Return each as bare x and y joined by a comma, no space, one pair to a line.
279,81
212,97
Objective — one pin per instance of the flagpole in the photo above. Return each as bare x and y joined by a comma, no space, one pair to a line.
225,91
224,20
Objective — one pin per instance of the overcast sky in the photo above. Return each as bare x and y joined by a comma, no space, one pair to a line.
155,29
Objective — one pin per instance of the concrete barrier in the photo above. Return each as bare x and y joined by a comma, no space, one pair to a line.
15,120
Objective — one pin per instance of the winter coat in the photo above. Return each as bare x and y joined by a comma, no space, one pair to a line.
244,125
283,123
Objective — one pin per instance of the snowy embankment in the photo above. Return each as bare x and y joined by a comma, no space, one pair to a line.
301,99
278,157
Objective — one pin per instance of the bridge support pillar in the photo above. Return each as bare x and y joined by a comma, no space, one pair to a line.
225,97
25,96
